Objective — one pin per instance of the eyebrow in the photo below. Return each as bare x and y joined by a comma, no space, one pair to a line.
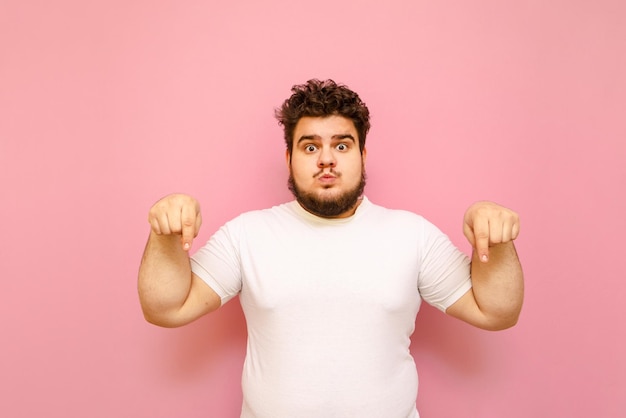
335,137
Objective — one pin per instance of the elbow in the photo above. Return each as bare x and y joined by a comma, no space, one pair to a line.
152,319
159,320
504,316
503,326
502,322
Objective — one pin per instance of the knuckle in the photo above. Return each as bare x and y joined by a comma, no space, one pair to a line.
481,235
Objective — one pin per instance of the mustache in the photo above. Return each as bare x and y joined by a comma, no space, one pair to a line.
323,171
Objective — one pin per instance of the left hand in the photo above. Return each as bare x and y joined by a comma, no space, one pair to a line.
486,224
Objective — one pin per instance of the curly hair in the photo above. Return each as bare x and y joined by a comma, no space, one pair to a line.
322,98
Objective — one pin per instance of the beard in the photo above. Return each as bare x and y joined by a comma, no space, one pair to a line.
329,207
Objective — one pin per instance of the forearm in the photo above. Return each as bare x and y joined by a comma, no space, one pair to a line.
498,285
164,279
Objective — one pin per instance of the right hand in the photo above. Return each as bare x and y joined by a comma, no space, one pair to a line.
176,214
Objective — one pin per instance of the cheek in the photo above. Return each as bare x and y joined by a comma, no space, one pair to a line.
356,166
299,167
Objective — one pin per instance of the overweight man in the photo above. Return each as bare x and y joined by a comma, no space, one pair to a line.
330,283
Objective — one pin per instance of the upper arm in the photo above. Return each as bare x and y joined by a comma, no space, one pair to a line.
201,300
466,309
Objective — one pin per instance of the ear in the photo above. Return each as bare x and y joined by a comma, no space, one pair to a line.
364,155
287,158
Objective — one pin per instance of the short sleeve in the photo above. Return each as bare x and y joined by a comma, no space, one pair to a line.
218,262
444,269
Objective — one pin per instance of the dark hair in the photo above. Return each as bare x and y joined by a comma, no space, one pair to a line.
323,98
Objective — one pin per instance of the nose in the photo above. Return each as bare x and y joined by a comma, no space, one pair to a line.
326,158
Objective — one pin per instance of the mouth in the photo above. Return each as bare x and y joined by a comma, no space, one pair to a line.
327,178
327,174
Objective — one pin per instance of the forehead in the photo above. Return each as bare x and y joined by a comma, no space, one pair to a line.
324,127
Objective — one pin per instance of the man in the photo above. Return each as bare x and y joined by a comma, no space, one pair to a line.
330,283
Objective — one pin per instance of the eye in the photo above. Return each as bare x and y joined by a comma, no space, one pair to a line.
342,147
310,148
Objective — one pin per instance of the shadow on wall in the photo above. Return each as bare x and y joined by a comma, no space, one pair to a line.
442,340
205,346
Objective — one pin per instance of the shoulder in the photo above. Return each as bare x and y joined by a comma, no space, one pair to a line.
402,222
379,213
274,215
275,212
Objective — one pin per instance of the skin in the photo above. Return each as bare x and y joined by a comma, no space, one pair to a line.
495,300
326,162
169,293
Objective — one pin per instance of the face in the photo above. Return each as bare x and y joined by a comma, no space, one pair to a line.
326,166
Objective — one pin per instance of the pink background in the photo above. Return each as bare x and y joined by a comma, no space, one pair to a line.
105,106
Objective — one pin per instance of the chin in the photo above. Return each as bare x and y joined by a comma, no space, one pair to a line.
328,201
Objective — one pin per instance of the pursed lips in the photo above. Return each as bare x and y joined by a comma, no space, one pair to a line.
328,177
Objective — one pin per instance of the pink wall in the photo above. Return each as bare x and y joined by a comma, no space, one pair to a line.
106,106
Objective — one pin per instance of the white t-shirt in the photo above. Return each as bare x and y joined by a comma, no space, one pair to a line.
330,306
